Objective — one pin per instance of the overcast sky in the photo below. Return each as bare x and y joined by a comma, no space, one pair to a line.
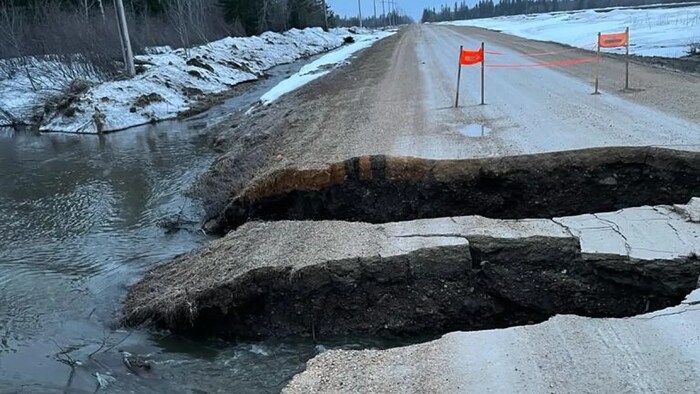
413,8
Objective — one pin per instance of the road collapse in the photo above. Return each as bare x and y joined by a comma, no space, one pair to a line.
380,189
364,264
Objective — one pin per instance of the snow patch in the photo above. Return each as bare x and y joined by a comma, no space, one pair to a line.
322,66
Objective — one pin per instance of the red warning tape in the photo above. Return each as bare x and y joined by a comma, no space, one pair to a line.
555,63
535,54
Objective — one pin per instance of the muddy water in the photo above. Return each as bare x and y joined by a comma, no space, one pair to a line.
79,222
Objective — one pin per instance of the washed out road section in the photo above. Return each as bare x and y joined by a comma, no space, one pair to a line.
322,278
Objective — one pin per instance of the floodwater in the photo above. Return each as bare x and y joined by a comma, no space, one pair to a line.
79,222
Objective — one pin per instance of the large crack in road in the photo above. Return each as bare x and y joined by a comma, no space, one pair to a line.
379,189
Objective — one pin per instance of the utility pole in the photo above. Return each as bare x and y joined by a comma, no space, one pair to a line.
384,12
396,13
391,13
375,13
325,15
359,10
124,35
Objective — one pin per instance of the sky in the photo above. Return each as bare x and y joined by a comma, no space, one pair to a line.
414,8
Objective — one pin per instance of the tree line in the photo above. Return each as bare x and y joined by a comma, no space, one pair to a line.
488,9
392,18
57,27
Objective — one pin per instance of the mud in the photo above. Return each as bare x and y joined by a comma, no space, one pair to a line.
379,189
302,278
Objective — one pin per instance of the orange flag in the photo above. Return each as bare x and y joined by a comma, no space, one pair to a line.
471,57
613,40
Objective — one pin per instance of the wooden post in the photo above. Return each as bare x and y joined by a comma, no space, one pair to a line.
459,75
597,68
627,59
483,60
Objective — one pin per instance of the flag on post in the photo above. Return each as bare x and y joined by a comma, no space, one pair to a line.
471,57
613,40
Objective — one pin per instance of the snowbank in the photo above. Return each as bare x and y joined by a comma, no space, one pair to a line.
171,80
653,31
322,66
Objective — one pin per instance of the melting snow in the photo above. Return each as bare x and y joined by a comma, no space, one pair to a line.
321,66
173,80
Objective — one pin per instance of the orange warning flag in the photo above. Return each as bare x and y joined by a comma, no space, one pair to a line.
613,40
471,57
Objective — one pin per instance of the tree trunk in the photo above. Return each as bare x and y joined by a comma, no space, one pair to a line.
126,42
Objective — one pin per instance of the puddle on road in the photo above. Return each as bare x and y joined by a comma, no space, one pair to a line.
475,130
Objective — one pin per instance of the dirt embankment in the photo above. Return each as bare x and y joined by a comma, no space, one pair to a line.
328,278
379,189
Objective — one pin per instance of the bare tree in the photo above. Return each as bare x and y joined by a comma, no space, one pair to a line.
177,12
12,24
